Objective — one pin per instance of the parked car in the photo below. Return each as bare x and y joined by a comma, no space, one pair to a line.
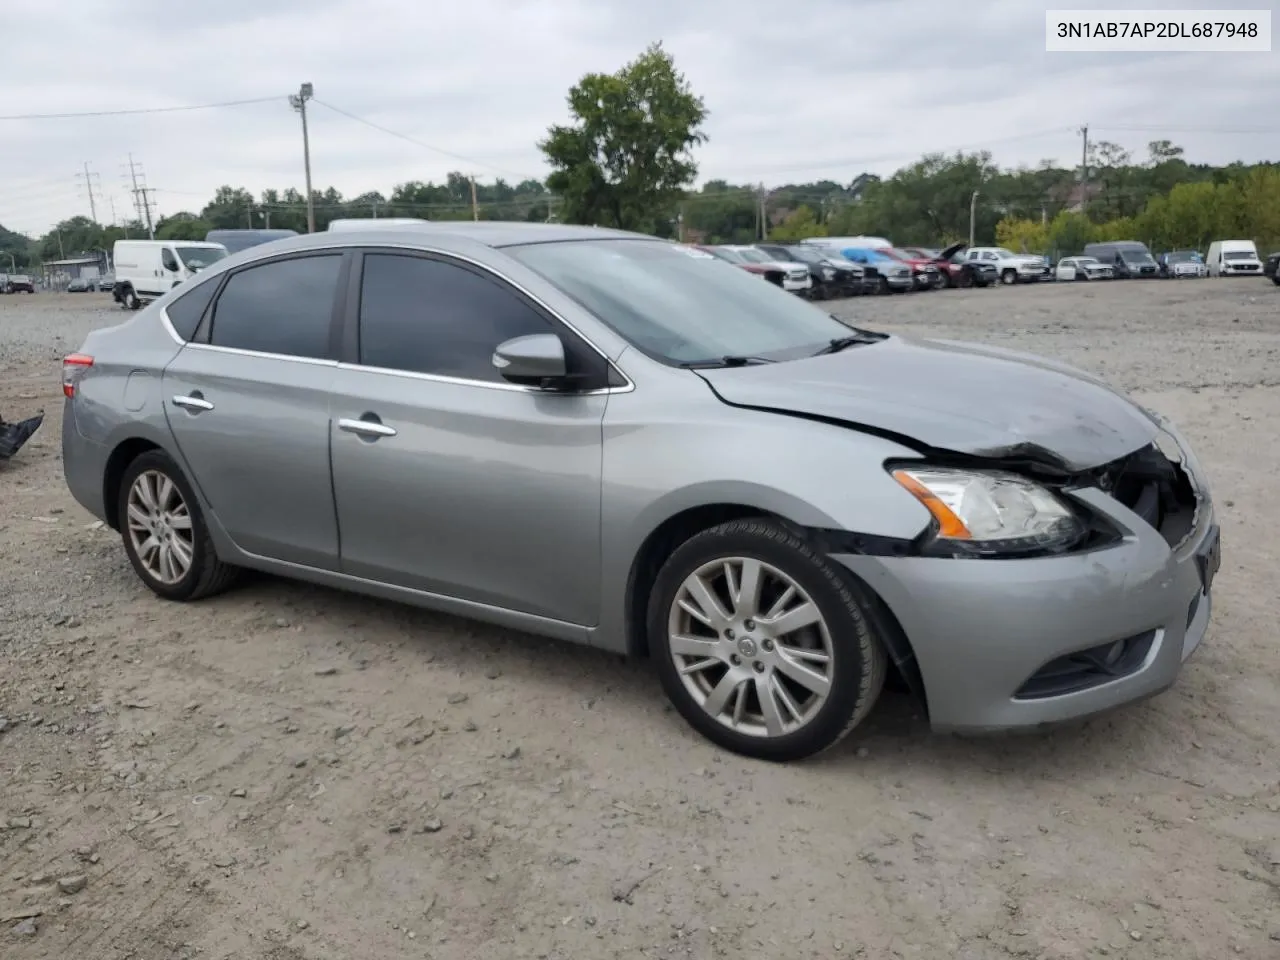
956,271
1129,259
80,285
790,276
106,282
1272,267
1010,267
1083,268
924,272
890,273
832,277
1177,264
148,269
19,283
556,436
237,240
1233,258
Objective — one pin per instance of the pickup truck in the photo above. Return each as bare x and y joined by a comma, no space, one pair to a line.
19,283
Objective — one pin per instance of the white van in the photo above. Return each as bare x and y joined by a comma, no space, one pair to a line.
148,269
374,223
1232,258
863,243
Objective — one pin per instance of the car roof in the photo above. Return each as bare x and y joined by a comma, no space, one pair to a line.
492,233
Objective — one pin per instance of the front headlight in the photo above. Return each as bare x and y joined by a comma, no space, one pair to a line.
991,513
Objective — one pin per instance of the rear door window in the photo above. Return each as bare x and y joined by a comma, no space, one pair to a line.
283,307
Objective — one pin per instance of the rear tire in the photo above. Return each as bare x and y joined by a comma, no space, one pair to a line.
159,516
790,668
130,299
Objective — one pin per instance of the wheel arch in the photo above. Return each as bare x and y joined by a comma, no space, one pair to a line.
667,536
123,454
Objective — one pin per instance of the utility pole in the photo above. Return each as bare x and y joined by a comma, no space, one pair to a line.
973,215
475,210
764,213
1084,168
375,209
299,102
141,202
88,185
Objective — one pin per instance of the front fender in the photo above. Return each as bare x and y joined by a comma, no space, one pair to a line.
698,452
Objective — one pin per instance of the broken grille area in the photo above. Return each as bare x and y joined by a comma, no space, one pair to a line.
1154,487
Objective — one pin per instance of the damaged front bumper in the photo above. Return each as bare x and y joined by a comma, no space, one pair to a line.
1020,643
14,435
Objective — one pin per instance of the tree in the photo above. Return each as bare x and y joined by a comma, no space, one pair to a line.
1022,236
231,208
182,226
627,158
799,225
17,245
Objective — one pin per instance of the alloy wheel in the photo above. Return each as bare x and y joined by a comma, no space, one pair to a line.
751,647
159,526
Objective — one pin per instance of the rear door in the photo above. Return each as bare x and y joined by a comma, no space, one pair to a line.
248,403
447,478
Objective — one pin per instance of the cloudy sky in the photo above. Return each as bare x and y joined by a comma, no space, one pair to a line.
797,90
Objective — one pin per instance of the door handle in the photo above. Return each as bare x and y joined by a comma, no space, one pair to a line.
192,403
366,428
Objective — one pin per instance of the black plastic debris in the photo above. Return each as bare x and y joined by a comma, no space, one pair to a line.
14,435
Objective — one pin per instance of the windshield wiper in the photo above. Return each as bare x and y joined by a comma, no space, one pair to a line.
729,361
853,340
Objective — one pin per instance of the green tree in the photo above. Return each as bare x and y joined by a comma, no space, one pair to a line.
627,157
800,224
182,226
21,247
1022,236
232,208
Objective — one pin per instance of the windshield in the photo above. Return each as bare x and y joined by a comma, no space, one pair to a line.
680,308
1183,258
809,255
754,256
897,254
1238,255
1136,256
197,258
733,256
1003,253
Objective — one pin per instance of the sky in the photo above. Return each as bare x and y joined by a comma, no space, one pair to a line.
796,91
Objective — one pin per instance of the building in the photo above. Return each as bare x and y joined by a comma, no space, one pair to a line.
58,273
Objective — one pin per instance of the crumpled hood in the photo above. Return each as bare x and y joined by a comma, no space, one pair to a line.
948,395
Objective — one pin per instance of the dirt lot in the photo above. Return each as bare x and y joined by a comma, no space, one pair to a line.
291,773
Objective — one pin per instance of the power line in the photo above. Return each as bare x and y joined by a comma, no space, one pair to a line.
137,110
419,143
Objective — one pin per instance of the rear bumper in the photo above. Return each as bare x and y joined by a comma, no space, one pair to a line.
984,631
84,464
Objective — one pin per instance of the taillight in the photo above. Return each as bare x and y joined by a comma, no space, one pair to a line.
74,367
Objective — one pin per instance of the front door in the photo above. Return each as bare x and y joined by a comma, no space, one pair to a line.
447,478
249,408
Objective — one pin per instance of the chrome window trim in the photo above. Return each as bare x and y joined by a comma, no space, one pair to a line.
628,387
489,384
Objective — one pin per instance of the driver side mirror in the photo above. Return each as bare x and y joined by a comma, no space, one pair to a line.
169,261
535,360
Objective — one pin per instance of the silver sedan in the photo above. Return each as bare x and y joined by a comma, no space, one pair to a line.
625,442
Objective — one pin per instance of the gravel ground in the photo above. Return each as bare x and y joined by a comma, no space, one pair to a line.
292,773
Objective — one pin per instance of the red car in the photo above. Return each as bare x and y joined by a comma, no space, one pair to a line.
955,270
924,271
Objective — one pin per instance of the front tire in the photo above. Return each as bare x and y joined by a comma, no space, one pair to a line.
1009,277
164,532
130,300
764,646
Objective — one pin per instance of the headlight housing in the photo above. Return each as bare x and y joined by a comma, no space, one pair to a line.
828,273
991,513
